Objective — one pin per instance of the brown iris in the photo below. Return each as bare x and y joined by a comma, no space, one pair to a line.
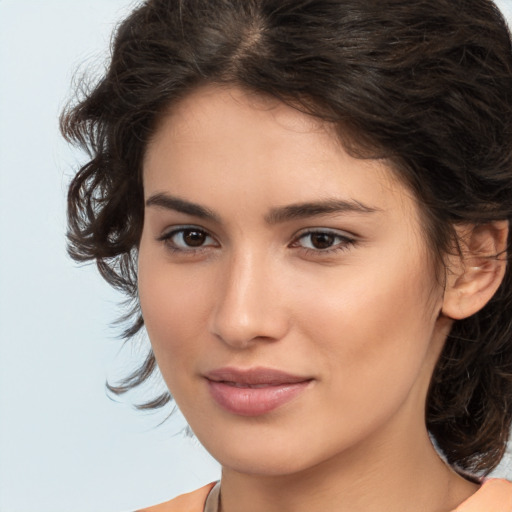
322,240
194,238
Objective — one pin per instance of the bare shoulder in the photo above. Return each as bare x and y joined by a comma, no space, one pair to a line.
495,495
191,502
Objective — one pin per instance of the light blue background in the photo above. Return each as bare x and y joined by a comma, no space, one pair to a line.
64,446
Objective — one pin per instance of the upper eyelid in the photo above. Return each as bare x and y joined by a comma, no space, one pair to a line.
332,231
171,230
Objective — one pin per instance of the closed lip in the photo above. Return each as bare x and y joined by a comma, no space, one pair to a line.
259,376
254,391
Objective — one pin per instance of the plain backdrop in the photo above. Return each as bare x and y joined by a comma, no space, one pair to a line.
64,445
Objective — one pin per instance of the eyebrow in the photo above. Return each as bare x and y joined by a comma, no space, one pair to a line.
168,202
316,209
276,215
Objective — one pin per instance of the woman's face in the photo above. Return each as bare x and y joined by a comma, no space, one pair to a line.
285,285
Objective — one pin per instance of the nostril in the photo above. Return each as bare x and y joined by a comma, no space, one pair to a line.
245,330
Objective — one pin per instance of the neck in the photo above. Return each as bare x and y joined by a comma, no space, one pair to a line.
379,477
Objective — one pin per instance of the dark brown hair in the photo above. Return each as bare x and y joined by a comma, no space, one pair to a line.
426,84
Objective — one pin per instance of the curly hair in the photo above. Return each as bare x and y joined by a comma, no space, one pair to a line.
426,84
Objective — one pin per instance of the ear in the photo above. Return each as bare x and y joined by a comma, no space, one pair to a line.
474,275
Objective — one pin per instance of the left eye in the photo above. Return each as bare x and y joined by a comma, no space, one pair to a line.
323,240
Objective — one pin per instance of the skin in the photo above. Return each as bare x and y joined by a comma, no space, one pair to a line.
362,317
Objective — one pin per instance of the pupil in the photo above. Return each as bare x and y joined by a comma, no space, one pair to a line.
194,238
322,240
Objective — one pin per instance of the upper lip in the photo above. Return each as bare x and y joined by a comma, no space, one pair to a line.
254,376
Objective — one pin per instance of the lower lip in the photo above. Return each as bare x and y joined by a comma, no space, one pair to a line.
254,401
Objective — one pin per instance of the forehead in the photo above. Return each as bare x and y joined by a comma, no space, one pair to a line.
257,124
240,144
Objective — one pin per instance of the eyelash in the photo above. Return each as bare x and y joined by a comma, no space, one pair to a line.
344,242
167,239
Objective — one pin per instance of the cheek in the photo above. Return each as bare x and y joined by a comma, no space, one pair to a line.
375,330
175,312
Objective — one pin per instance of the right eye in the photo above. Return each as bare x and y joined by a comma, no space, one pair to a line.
188,239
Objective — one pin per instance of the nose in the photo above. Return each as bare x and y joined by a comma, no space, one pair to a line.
249,306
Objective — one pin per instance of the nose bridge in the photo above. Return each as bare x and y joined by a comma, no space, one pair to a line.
247,308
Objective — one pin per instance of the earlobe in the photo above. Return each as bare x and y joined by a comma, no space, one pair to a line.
474,275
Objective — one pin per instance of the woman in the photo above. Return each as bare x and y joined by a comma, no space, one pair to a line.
309,204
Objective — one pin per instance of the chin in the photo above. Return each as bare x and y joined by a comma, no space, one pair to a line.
270,466
268,457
